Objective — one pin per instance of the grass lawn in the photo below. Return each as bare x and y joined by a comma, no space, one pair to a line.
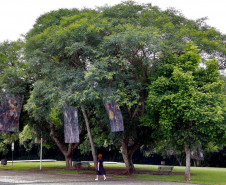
29,165
201,175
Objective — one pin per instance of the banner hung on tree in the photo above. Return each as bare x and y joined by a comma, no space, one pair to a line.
71,128
10,112
115,116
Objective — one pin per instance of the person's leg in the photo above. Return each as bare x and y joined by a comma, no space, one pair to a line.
104,177
96,178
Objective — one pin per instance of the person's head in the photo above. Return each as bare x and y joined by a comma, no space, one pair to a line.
100,156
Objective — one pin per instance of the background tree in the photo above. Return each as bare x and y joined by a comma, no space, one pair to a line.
13,74
6,141
13,80
167,150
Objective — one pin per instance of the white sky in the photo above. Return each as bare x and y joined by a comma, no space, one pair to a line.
18,16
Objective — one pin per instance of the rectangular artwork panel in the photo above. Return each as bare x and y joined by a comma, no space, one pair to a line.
10,112
71,128
115,116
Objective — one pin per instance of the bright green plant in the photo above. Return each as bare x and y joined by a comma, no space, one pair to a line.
188,102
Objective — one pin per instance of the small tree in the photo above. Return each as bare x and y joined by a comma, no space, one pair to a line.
188,101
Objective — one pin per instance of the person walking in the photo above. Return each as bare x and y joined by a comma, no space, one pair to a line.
100,167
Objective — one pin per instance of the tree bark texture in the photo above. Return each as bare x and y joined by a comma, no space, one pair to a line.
90,136
127,154
68,160
188,163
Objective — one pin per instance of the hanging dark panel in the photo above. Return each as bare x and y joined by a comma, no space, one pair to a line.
115,116
10,112
71,128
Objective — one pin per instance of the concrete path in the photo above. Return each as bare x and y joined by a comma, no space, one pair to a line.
9,177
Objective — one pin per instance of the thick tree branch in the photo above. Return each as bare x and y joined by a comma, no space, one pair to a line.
133,149
129,111
137,107
58,143
90,136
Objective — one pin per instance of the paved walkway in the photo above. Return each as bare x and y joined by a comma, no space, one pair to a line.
9,177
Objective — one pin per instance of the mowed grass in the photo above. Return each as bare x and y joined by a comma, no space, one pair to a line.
29,165
200,175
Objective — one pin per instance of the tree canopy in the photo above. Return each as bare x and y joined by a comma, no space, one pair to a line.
147,57
187,100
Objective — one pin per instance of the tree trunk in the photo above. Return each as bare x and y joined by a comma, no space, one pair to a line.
128,156
69,153
180,163
66,152
129,167
188,163
194,162
90,136
179,160
68,160
198,163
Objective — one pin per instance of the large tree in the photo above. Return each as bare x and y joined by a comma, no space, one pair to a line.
60,62
117,47
131,54
188,102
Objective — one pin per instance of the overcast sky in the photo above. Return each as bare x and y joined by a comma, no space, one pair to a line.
18,16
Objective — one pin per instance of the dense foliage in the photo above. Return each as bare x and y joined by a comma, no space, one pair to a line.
147,57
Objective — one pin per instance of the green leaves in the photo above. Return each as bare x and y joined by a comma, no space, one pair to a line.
189,102
136,50
13,69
